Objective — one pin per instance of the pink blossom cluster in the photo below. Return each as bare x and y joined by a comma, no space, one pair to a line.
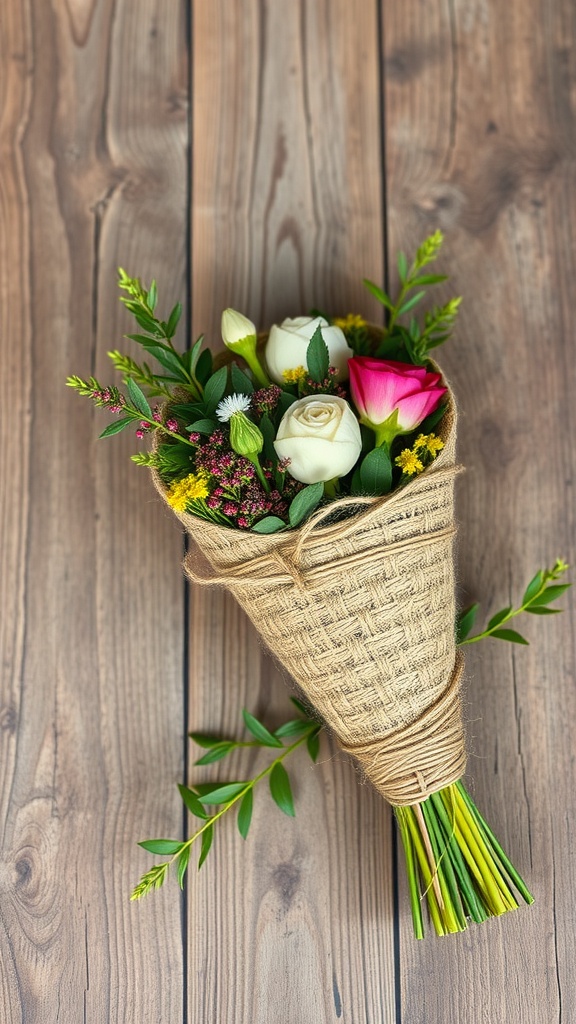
265,400
109,397
329,385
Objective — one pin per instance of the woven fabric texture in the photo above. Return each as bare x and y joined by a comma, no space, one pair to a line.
361,612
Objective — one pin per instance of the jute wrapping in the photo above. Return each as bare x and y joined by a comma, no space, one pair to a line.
361,612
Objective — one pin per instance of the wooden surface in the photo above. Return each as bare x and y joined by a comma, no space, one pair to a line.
268,156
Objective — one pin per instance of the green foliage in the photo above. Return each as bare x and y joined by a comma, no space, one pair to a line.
376,472
305,502
226,795
540,592
413,343
317,357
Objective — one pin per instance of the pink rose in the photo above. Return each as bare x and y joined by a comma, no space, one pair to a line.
393,398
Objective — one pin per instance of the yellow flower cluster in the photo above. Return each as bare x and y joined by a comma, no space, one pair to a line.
424,450
182,492
295,376
409,462
347,322
429,443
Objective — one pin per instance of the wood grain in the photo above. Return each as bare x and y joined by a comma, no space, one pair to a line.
297,924
92,705
269,195
480,141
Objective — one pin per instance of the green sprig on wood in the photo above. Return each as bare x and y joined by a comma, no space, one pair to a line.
226,795
413,342
539,594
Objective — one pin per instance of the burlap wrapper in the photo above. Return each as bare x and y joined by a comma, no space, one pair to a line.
361,613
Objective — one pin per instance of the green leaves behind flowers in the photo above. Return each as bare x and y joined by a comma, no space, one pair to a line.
302,506
540,592
317,357
376,472
305,502
210,801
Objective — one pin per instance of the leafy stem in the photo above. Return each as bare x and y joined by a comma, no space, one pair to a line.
540,592
229,794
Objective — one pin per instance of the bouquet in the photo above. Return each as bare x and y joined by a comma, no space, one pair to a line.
314,467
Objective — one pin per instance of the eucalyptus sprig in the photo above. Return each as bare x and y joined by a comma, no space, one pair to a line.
540,592
229,794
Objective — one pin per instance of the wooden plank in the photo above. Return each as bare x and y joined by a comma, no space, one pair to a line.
479,142
93,140
297,924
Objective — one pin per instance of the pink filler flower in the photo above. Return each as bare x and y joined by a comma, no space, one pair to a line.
393,398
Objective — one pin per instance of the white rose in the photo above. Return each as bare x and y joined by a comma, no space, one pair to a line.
287,344
321,437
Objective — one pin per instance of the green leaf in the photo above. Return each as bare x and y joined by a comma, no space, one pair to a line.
117,426
428,279
191,801
317,357
214,389
173,320
499,617
268,432
170,361
146,341
270,524
465,622
376,472
305,502
259,731
533,587
164,847
509,634
240,381
138,398
194,354
152,296
281,790
551,594
207,837
183,864
402,266
222,794
245,813
313,745
202,426
284,402
379,294
216,753
147,323
541,610
301,707
204,740
292,728
203,366
410,303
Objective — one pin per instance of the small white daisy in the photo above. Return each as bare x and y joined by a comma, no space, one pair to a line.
228,406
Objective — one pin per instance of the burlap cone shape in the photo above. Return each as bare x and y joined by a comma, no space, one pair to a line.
361,613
